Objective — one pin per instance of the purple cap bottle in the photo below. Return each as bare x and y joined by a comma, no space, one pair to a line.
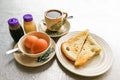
15,29
28,17
13,22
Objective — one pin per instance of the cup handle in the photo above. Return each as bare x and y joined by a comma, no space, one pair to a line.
65,15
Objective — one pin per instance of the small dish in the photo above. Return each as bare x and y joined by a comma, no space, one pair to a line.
64,29
94,67
34,62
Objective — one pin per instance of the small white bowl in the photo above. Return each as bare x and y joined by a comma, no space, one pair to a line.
24,50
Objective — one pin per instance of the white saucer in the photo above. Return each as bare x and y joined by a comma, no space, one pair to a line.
34,62
94,67
64,29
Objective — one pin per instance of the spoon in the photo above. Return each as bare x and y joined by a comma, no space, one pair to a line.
69,17
12,50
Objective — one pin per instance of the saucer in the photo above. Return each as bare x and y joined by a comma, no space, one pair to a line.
34,62
63,30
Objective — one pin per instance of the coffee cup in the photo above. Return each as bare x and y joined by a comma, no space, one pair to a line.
54,19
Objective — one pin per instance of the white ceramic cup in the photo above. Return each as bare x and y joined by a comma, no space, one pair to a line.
54,19
42,35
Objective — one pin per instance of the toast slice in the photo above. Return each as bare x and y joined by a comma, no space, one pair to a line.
72,47
90,49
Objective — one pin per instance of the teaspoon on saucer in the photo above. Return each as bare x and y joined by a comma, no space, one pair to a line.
69,17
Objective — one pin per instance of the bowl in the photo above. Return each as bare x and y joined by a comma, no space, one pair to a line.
26,51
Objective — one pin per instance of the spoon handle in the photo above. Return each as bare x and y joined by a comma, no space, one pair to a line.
69,17
11,51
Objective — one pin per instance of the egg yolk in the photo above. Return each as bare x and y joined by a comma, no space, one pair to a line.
39,46
29,41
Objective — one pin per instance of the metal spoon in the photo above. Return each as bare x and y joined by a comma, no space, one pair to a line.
12,50
69,17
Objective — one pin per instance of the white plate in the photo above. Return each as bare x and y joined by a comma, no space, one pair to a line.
63,30
34,62
95,66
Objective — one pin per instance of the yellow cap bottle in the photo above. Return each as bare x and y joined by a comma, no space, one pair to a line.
29,24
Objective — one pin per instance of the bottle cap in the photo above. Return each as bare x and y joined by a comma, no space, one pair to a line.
13,22
27,17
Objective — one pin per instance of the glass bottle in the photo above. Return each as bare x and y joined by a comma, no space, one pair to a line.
15,29
29,24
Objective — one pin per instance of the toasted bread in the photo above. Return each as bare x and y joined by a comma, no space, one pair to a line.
90,49
72,47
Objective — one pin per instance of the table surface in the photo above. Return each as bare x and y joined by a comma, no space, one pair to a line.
99,16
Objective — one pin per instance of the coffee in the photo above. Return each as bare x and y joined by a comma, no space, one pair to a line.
53,14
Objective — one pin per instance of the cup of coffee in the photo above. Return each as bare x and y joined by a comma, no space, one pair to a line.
54,19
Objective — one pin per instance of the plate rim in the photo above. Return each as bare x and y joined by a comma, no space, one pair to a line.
86,75
53,54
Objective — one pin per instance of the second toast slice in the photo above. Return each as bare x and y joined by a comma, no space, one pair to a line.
90,49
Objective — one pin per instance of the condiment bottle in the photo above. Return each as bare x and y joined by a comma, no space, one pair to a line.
15,29
29,24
